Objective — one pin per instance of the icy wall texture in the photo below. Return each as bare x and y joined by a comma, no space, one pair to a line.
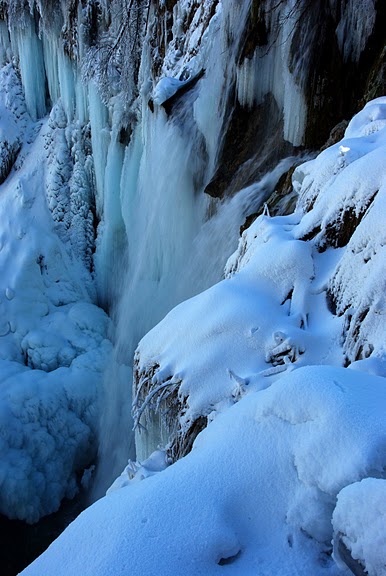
121,115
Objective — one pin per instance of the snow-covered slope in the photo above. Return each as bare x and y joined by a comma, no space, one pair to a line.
257,360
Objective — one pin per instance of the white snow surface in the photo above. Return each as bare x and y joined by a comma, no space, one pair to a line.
271,314
348,182
267,309
166,88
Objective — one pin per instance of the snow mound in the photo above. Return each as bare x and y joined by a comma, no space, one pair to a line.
258,489
166,88
48,435
359,521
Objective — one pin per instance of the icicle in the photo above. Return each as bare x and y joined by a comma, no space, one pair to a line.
242,382
268,72
266,211
100,138
31,58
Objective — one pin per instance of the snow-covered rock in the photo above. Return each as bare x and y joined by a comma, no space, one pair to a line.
343,192
290,298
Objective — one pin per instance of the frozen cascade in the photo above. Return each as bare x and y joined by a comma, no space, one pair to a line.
100,139
29,50
268,71
165,169
174,252
162,213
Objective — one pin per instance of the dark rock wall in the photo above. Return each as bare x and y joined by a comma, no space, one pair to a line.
335,88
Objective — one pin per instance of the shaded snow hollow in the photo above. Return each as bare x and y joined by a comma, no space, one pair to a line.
287,438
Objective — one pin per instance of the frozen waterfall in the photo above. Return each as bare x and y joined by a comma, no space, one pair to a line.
159,238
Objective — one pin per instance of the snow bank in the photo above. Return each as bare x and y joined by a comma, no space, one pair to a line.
290,297
290,293
258,490
263,319
359,521
300,290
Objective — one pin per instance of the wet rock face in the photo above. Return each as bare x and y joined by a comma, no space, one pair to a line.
256,32
376,85
338,233
281,202
336,134
335,87
252,144
320,74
